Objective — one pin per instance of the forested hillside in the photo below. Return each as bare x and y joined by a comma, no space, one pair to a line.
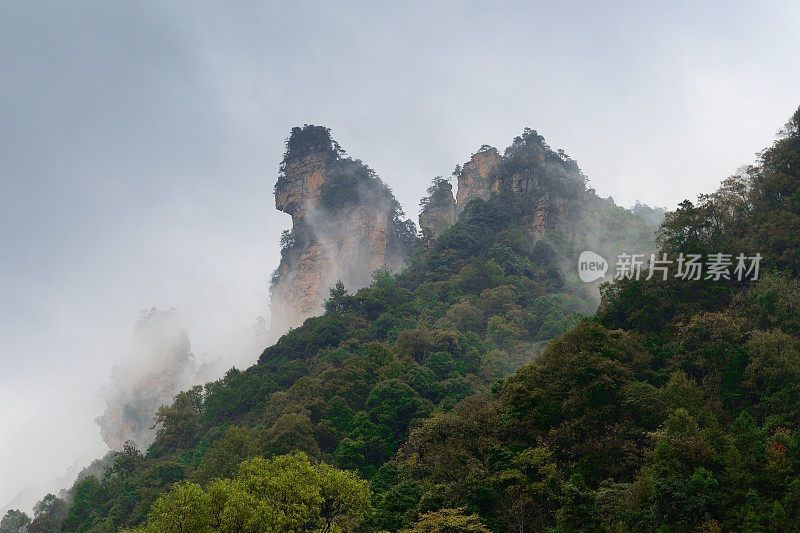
674,408
669,408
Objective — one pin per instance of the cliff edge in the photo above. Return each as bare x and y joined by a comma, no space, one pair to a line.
346,223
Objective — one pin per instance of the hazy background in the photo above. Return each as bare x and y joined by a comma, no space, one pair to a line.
139,143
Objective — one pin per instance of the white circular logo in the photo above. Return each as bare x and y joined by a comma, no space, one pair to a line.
591,266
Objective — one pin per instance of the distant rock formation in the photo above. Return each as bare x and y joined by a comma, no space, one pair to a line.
479,177
528,167
346,224
159,364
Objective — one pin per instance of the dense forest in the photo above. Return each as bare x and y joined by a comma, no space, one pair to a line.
478,389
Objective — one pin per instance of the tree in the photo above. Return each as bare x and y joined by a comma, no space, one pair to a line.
392,404
285,494
14,521
340,300
448,521
87,494
223,459
345,499
530,490
184,509
48,514
579,512
126,461
178,423
775,183
292,431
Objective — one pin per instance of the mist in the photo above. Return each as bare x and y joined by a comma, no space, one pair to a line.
140,143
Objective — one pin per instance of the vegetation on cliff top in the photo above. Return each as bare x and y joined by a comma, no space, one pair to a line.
349,184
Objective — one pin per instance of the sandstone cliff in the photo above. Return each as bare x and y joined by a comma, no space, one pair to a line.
479,177
159,364
345,225
550,181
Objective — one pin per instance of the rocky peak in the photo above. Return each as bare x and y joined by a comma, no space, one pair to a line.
346,224
309,152
479,176
549,181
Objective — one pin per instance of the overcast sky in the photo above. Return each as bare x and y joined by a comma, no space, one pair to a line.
139,143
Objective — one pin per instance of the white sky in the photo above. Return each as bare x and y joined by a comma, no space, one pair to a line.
139,144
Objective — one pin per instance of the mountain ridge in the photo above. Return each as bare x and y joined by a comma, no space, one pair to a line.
347,387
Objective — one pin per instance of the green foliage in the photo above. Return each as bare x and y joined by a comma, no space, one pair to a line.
439,192
48,515
287,493
674,409
179,423
448,521
302,141
237,445
340,301
236,394
579,512
756,211
417,352
14,521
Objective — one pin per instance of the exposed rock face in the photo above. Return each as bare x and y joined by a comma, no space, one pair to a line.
479,177
345,225
438,207
159,365
305,174
550,214
550,181
295,291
